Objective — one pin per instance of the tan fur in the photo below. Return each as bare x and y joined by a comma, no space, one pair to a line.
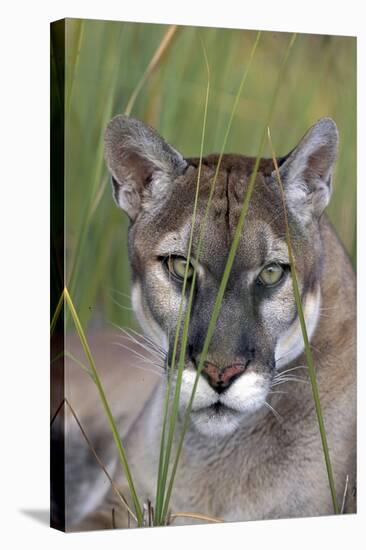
264,466
270,469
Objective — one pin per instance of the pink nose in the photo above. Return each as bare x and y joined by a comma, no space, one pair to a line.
221,378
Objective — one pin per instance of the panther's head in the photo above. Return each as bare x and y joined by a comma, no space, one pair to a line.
257,330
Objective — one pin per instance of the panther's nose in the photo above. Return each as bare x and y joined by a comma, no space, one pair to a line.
220,378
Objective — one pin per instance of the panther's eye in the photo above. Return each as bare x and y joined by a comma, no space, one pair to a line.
271,274
177,266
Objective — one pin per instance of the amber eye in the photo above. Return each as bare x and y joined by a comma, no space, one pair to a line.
177,266
271,275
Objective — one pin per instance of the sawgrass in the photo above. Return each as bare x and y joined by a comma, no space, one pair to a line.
66,302
166,447
96,233
156,73
308,350
162,506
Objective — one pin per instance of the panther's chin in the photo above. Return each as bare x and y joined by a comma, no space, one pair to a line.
217,420
220,414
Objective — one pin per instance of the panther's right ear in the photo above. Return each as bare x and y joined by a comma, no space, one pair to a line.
307,171
141,163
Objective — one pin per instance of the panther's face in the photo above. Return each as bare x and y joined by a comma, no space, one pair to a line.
257,331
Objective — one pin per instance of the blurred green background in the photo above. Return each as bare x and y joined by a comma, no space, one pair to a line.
105,62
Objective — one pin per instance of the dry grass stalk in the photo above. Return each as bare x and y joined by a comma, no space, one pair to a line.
121,498
157,57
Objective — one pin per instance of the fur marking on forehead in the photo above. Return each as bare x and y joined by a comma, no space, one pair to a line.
175,241
277,246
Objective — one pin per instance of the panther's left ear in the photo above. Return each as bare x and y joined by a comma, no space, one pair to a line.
306,173
141,163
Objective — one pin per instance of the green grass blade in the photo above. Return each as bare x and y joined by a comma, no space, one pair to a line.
202,232
57,312
225,278
57,357
72,61
86,369
112,424
176,87
189,307
308,352
89,208
156,60
164,457
99,183
66,353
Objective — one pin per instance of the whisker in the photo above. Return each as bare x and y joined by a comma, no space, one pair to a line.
291,369
330,308
121,293
158,371
282,375
274,412
120,305
150,341
150,371
150,354
287,377
151,350
146,359
279,382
